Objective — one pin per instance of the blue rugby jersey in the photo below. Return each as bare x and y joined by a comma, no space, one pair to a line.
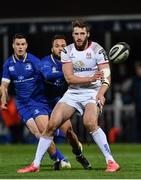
26,77
55,84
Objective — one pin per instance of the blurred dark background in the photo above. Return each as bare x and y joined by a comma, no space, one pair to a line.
111,22
67,8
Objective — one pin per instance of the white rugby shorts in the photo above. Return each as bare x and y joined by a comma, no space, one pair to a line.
78,99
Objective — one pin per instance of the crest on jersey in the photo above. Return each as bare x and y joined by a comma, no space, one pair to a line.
54,70
11,68
88,55
79,64
28,66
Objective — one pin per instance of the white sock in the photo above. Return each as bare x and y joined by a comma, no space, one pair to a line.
101,140
42,147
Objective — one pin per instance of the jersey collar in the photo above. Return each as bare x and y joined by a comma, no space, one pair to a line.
54,59
16,58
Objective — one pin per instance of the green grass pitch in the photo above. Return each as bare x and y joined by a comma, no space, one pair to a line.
13,157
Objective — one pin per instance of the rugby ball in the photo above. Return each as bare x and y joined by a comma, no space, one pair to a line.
119,52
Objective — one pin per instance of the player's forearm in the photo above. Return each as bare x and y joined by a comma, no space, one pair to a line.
4,92
103,89
73,79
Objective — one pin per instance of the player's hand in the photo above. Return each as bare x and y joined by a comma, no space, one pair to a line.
4,107
98,75
100,106
100,99
3,103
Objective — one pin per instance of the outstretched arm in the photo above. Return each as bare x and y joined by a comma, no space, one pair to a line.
4,94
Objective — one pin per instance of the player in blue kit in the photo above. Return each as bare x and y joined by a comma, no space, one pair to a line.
51,69
35,102
22,69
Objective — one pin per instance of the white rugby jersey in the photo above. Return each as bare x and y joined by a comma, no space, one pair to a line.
84,62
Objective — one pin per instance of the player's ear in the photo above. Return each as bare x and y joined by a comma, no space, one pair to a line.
13,45
72,34
51,50
88,34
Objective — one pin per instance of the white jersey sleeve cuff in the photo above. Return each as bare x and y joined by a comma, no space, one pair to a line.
5,80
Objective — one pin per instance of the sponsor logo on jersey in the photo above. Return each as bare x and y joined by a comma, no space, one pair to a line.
22,80
79,66
11,68
83,69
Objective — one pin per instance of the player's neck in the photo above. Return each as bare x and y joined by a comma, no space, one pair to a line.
55,57
20,58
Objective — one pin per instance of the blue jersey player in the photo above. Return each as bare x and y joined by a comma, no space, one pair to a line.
22,69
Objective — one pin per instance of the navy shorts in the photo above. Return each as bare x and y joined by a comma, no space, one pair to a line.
33,110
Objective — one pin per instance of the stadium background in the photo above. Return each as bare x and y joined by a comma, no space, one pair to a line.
110,22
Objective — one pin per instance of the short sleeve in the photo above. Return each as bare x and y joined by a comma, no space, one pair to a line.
65,57
101,56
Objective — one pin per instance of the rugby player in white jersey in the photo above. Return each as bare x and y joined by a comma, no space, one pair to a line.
86,69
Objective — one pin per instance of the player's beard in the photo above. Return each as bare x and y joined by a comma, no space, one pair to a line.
83,46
